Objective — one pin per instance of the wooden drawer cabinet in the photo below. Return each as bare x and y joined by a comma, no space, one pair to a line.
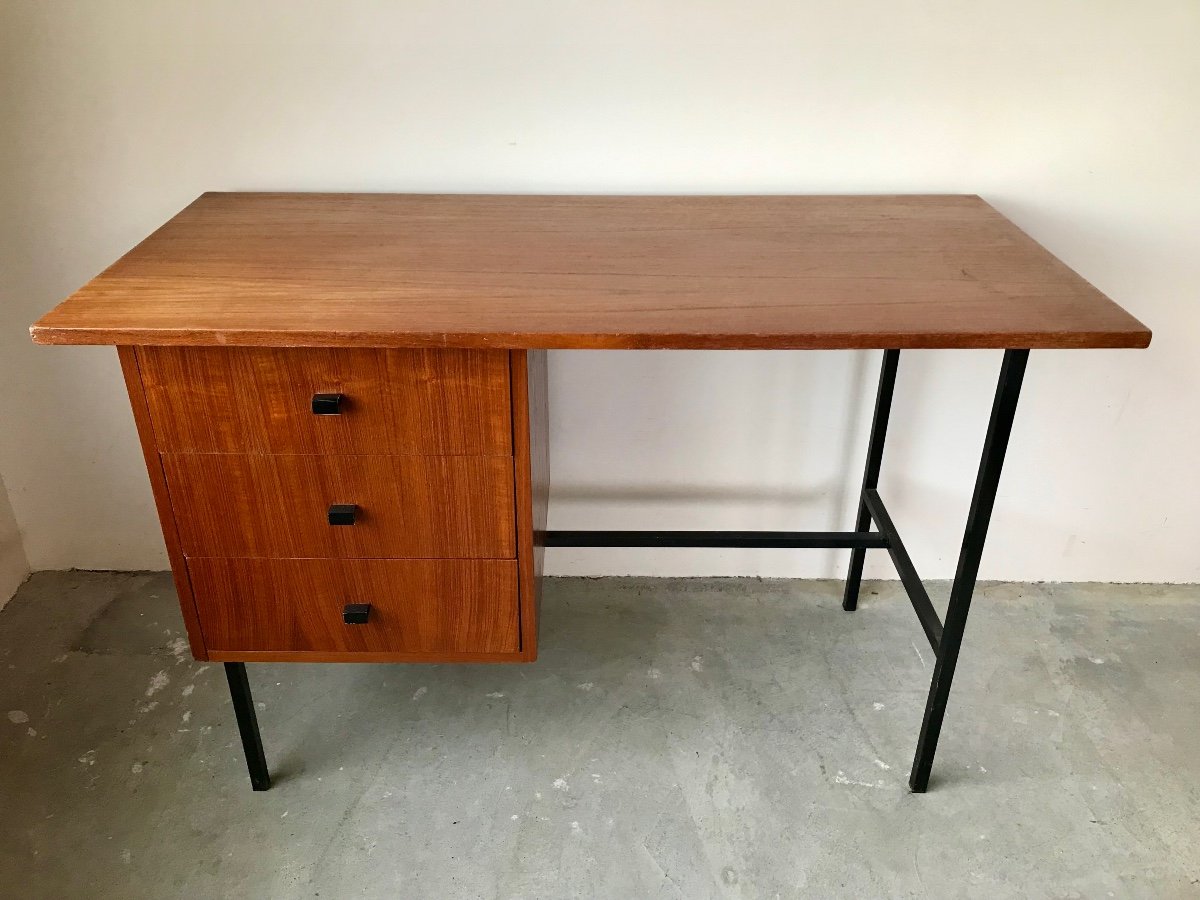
407,506
263,606
259,400
441,453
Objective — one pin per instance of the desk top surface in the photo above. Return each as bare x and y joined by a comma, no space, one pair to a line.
721,272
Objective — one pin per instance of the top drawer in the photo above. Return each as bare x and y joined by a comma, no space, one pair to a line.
259,400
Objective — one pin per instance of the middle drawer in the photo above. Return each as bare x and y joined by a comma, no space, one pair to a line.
237,505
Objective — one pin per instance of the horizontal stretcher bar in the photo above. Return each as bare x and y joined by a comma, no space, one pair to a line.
761,539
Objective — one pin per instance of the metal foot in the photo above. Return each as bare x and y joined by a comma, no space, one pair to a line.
883,408
999,428
247,720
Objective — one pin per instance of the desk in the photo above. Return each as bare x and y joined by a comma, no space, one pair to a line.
341,398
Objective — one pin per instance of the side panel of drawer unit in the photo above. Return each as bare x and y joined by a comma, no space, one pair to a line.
420,606
239,505
260,400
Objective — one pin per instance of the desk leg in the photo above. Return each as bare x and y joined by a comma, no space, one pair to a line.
1012,371
247,720
883,408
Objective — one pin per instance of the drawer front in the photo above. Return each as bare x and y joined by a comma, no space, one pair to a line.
417,606
260,400
278,506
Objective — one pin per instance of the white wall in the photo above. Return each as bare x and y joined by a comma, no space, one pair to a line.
14,567
1079,120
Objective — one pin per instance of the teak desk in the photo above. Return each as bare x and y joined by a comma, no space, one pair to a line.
342,398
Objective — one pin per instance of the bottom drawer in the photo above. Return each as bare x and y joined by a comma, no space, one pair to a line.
417,605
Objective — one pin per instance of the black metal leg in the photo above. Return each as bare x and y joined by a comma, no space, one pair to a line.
883,408
999,428
247,720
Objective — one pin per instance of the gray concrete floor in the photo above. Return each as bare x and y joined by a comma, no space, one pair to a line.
678,738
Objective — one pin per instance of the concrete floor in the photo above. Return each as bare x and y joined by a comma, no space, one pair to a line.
678,738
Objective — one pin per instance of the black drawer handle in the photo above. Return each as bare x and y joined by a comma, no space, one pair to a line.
343,513
356,613
327,404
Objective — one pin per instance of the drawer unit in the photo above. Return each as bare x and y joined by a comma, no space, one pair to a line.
260,400
293,482
230,504
266,606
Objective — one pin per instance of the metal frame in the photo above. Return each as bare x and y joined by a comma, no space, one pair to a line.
861,540
879,424
945,637
1004,408
247,720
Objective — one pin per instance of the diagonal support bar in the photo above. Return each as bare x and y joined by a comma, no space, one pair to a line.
879,424
1004,408
917,594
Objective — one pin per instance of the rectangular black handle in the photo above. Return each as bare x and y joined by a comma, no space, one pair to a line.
327,404
343,513
356,613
